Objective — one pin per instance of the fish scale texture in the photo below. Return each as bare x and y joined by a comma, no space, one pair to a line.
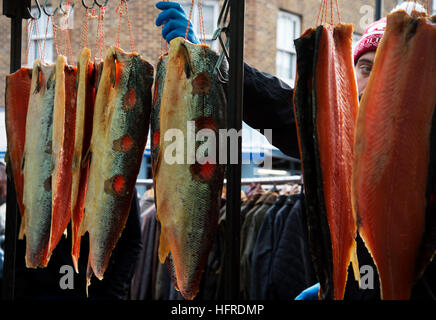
393,142
188,193
37,169
114,170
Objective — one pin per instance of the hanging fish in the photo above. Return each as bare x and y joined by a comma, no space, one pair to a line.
64,118
187,192
85,87
395,161
37,165
17,101
326,104
120,125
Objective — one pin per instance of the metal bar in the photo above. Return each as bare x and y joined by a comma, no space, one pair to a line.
16,34
10,241
244,181
234,121
11,231
378,9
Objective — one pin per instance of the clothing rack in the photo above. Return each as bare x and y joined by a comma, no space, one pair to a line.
19,10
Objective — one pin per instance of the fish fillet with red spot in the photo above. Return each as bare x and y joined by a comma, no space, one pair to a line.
37,165
395,145
188,180
120,125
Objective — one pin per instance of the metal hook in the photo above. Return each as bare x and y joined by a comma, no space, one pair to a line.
44,8
86,7
62,8
39,11
101,5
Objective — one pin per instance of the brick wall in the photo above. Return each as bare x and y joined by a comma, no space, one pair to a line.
260,28
261,23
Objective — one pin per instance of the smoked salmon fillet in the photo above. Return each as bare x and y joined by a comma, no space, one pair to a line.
64,118
120,125
326,122
37,165
82,138
17,101
337,106
187,190
394,162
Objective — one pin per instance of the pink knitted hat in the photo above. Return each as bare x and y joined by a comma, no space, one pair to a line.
370,39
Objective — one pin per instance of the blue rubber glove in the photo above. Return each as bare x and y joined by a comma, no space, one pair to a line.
175,21
309,294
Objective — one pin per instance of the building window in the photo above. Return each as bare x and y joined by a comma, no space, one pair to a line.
433,7
36,39
288,29
210,9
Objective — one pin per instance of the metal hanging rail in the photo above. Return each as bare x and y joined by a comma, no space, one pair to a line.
16,11
245,181
378,9
235,94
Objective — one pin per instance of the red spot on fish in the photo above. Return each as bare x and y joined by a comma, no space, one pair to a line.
117,73
156,138
124,144
201,84
205,123
40,75
202,172
115,185
118,184
207,170
129,99
155,94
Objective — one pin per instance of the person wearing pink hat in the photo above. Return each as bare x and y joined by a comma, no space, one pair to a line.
364,53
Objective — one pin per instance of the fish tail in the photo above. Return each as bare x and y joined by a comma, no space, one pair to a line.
355,262
75,250
164,247
22,231
88,276
83,225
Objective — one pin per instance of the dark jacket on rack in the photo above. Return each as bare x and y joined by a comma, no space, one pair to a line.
292,268
141,288
261,260
254,224
268,105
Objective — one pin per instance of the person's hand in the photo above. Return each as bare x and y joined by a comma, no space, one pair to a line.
309,294
174,19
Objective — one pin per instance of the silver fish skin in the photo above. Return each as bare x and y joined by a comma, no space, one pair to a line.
120,127
38,165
